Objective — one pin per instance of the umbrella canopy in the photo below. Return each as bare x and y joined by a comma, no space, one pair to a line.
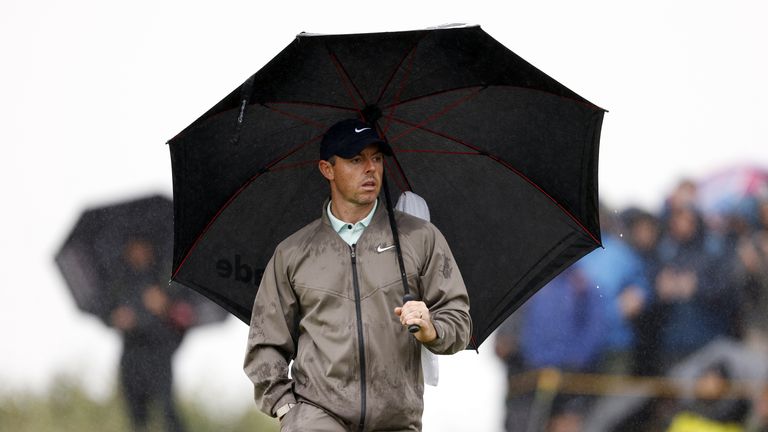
505,156
95,253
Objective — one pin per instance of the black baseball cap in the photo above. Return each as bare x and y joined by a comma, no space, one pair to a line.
349,137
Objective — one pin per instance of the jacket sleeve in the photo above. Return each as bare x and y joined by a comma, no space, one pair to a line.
272,337
445,294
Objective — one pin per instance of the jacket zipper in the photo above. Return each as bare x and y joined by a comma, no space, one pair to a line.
360,338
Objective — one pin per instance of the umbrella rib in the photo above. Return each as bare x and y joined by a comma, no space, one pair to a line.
261,171
347,80
506,165
407,184
411,54
420,126
429,95
436,115
397,165
396,179
429,119
551,198
407,76
400,63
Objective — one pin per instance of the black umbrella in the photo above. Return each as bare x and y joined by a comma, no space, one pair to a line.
92,258
505,156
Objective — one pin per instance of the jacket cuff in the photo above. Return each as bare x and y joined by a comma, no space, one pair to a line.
286,399
435,344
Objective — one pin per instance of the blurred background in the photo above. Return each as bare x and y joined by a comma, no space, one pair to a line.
90,92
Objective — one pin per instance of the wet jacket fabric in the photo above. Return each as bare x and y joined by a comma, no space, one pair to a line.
329,307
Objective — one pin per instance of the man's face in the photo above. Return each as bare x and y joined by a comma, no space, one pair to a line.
356,180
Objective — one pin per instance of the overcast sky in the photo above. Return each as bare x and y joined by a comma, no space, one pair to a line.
91,91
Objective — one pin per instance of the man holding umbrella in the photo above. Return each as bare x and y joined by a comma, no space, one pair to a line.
330,300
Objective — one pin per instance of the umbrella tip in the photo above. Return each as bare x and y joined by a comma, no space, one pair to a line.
452,25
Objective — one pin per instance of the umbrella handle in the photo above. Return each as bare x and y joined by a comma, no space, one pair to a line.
413,328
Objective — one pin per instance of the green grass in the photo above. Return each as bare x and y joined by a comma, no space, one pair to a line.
68,408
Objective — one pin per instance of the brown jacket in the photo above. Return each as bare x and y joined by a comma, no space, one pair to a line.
330,308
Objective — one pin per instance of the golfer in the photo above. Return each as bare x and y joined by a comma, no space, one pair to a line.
330,301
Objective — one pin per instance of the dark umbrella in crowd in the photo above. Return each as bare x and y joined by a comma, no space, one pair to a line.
505,156
93,256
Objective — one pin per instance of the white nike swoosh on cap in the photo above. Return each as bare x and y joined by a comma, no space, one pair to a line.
380,249
360,130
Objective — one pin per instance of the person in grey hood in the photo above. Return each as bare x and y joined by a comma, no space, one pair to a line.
331,297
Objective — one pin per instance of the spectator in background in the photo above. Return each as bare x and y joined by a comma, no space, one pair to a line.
714,407
567,417
758,420
750,279
507,349
564,324
563,327
620,279
152,326
642,232
689,288
683,195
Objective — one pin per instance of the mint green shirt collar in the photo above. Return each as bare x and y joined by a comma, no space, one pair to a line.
348,232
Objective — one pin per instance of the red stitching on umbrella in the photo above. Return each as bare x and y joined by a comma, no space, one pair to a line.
412,55
437,93
347,80
398,180
421,127
532,183
399,92
436,115
402,60
399,167
473,343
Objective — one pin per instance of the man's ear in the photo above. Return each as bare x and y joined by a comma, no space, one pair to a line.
326,169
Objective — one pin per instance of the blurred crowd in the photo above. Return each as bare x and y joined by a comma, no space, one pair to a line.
681,292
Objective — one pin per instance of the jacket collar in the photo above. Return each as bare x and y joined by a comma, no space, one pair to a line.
378,215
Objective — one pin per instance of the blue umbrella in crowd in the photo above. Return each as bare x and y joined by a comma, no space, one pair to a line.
733,192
